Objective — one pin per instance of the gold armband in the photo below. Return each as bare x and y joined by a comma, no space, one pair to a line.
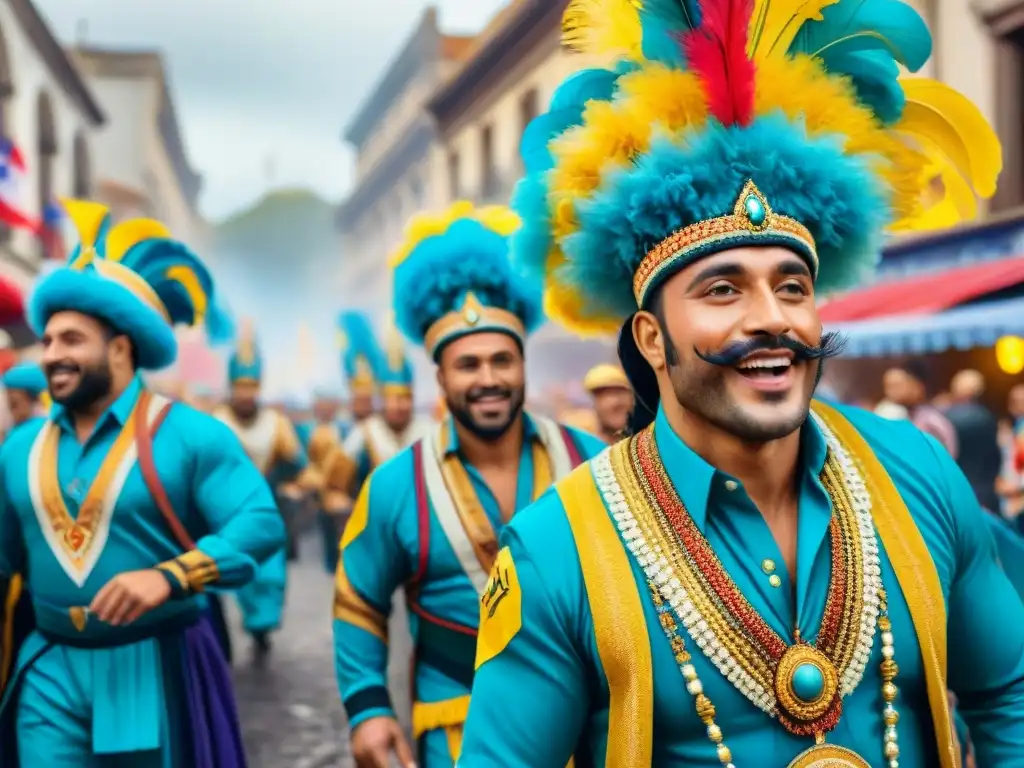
192,570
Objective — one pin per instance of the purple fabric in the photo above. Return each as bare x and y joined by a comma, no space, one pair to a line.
210,702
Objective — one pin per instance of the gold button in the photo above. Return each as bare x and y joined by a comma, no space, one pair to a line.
774,580
731,485
768,566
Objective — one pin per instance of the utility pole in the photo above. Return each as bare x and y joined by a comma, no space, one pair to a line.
81,32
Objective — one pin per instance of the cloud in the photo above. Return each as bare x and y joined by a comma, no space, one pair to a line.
277,81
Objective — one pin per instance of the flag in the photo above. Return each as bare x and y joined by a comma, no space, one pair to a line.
51,231
12,187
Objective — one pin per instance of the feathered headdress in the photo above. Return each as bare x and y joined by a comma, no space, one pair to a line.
452,277
726,123
246,363
360,352
134,276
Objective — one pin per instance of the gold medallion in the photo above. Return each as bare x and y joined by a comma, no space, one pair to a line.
806,689
828,756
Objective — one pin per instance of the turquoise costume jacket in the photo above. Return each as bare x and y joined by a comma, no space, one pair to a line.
72,547
546,693
382,549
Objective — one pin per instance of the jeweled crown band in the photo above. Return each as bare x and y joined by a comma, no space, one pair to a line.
472,317
752,222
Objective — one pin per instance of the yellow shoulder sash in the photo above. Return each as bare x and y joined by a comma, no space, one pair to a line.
620,628
623,643
915,572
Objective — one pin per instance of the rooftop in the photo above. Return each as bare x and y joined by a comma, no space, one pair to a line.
146,64
425,45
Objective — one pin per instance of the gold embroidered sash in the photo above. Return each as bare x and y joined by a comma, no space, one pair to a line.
620,627
915,572
76,534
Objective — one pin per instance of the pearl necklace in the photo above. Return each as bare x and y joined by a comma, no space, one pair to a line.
675,609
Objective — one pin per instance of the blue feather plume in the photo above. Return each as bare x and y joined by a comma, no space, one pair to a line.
850,26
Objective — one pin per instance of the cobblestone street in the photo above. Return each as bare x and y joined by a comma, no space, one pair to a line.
290,711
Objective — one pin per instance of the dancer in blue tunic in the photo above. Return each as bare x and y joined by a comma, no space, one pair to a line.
27,398
429,518
269,439
124,508
753,578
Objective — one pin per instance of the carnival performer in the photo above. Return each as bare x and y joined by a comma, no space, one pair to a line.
123,508
27,398
322,438
613,400
381,436
270,441
751,579
429,518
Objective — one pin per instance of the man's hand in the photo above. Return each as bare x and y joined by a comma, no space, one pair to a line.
337,503
374,740
128,596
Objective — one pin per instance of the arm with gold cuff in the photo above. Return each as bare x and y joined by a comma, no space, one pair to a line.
189,573
239,509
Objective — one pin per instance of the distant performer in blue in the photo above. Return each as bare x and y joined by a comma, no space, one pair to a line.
429,517
27,398
122,509
272,445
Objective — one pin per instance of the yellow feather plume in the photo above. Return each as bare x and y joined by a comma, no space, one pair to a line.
774,24
949,119
188,280
245,351
603,28
422,226
130,233
88,218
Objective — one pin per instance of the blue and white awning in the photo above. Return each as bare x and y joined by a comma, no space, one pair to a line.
966,327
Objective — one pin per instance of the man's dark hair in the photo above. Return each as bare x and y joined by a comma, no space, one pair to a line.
642,378
111,333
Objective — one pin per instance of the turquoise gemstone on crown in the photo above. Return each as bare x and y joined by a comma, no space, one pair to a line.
808,682
756,213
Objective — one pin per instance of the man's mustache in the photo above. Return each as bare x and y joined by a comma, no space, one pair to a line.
732,354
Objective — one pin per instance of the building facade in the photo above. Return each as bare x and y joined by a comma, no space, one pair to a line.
393,137
142,168
49,113
480,114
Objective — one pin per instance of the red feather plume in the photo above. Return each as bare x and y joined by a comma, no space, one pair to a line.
716,50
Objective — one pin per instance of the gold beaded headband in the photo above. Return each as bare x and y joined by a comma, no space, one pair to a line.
472,317
752,222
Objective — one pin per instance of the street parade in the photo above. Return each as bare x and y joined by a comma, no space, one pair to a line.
693,437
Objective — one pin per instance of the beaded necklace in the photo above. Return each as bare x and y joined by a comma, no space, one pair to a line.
802,684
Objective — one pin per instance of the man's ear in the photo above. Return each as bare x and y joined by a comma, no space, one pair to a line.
649,339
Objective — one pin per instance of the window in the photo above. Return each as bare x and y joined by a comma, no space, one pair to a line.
489,185
527,108
454,187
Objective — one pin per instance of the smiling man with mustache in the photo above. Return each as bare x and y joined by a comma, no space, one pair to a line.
430,517
753,578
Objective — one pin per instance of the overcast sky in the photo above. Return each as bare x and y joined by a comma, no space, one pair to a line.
270,87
